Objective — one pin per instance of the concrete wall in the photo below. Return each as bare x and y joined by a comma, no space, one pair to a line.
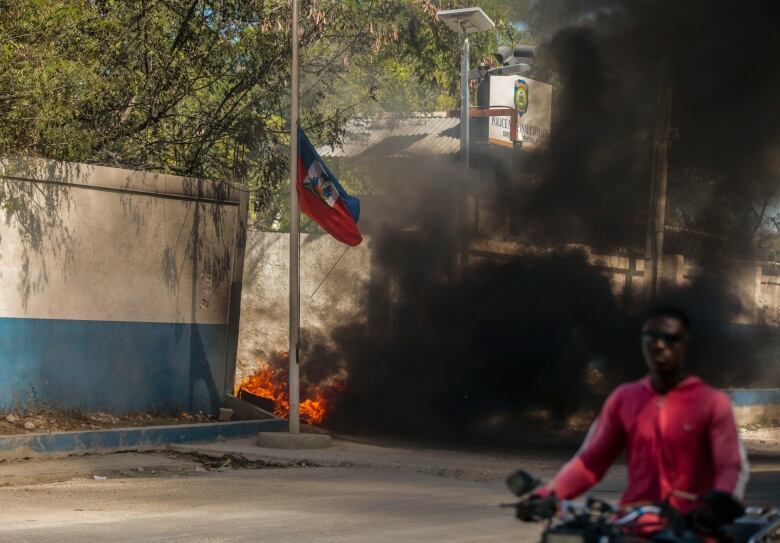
116,287
332,279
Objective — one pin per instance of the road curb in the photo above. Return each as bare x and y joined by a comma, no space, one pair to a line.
149,437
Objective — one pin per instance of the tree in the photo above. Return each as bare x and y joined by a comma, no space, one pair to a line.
201,87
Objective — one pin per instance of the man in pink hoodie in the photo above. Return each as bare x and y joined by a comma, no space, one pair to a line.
679,434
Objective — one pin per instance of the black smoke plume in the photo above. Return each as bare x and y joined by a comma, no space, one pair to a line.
443,347
501,343
610,61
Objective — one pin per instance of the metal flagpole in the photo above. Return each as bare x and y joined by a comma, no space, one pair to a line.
295,217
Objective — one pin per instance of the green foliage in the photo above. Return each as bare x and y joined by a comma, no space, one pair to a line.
426,59
201,87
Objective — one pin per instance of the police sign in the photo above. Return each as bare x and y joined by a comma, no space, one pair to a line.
533,101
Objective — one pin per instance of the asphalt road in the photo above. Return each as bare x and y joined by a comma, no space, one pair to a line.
173,499
280,505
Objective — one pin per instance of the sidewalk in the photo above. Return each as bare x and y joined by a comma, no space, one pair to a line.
126,439
761,441
98,467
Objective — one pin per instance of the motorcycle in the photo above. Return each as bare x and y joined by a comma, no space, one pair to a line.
597,521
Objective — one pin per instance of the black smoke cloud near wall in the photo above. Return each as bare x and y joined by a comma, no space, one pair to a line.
430,353
432,349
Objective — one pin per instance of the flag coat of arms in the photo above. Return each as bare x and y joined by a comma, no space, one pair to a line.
322,197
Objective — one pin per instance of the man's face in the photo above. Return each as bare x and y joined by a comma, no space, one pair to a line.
664,345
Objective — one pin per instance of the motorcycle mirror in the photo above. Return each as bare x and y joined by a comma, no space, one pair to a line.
521,482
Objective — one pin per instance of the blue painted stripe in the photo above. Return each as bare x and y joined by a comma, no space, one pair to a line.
754,396
112,366
132,438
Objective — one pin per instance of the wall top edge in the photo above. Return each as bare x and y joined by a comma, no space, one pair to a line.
104,177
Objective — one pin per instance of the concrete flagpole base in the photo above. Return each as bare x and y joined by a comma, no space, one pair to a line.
286,440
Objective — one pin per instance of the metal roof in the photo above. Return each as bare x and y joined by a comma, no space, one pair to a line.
399,136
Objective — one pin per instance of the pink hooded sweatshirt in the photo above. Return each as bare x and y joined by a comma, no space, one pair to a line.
679,445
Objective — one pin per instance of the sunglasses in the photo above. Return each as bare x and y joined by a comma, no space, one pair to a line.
668,339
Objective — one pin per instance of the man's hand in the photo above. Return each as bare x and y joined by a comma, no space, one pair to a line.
537,507
717,508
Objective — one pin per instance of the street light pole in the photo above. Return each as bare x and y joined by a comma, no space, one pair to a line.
464,99
465,21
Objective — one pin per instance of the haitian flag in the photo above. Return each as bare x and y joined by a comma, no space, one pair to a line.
322,197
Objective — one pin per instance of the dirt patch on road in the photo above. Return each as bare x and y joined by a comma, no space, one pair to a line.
228,462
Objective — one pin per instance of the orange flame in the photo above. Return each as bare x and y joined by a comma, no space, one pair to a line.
265,382
271,383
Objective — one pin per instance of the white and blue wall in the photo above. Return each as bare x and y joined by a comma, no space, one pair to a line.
119,290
